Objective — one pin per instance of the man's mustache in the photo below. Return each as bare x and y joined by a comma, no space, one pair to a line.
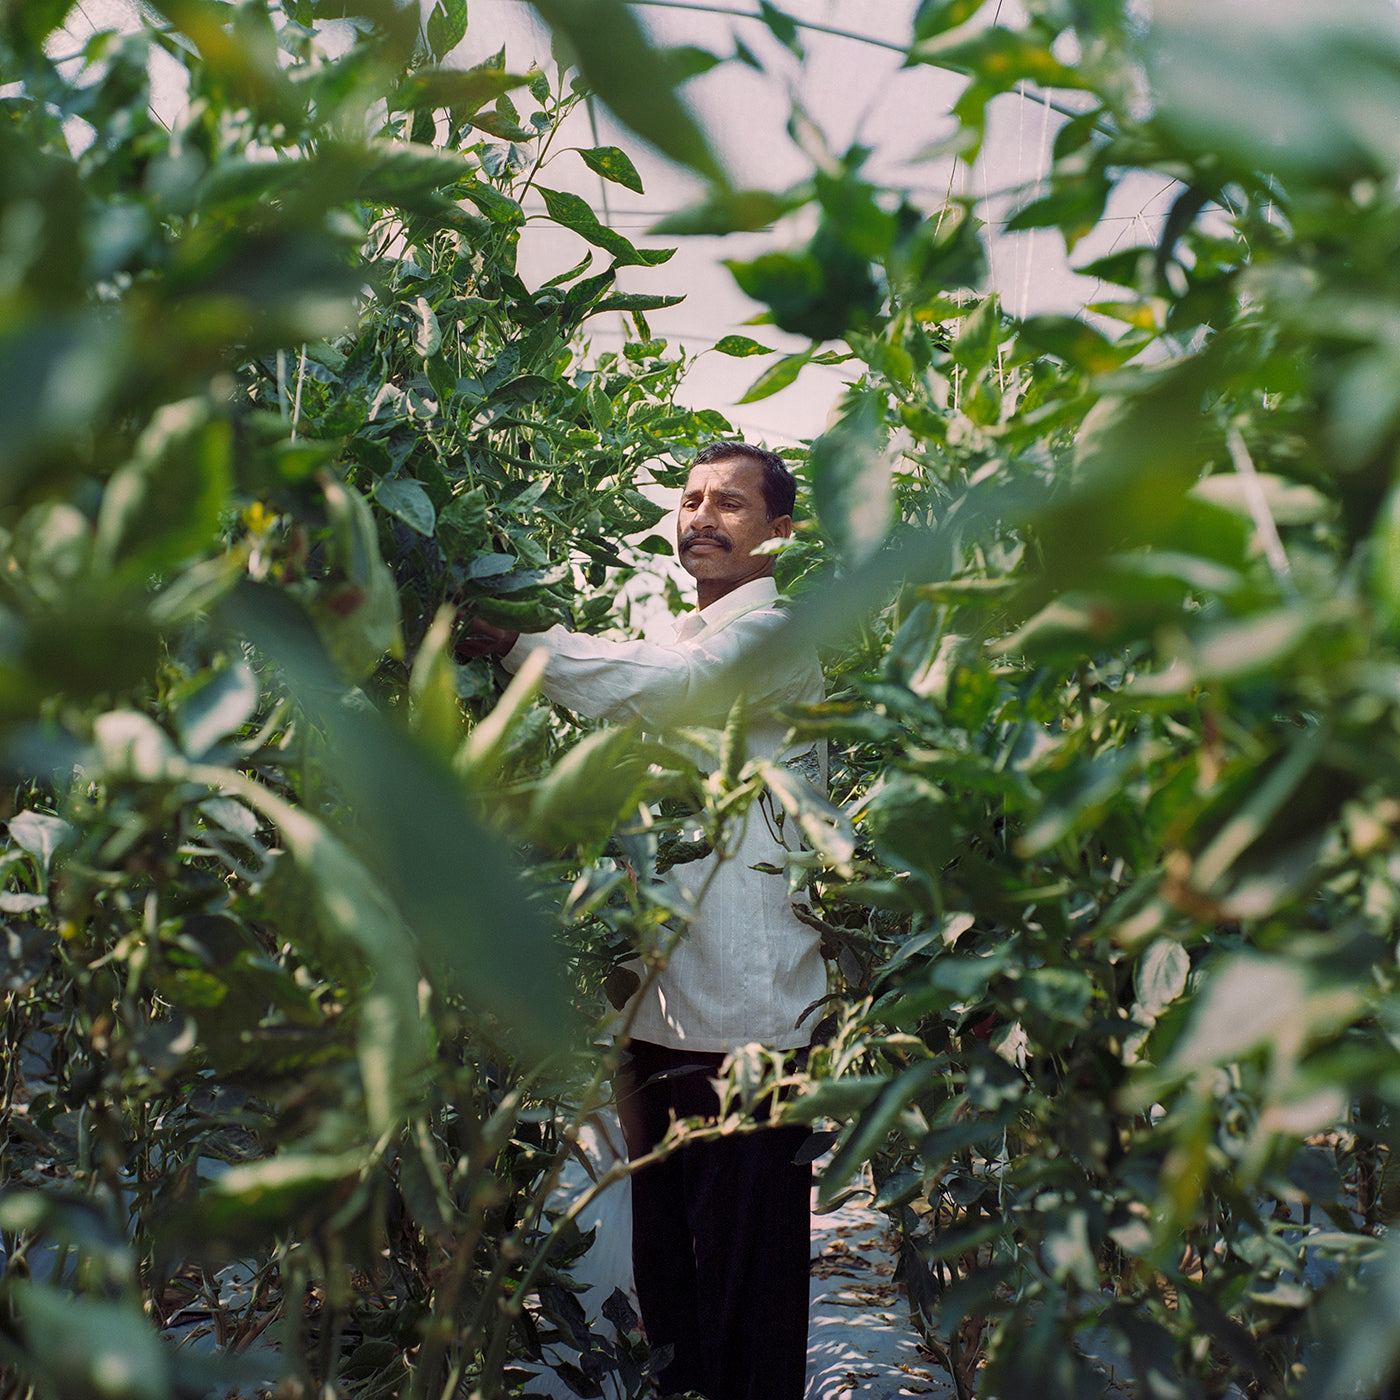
709,536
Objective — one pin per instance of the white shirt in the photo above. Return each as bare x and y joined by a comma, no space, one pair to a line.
746,967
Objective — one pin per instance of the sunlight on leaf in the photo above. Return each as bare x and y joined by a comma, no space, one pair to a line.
1250,1002
775,378
218,708
613,164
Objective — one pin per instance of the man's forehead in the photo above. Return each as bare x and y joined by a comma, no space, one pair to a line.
736,473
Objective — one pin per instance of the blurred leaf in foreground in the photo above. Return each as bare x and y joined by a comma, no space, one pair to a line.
612,49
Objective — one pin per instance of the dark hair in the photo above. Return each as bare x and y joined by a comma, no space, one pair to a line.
779,484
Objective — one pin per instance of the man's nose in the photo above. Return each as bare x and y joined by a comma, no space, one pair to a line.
705,514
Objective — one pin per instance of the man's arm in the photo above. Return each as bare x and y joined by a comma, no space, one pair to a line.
484,638
664,685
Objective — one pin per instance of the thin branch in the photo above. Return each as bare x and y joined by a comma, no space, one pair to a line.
1274,551
301,378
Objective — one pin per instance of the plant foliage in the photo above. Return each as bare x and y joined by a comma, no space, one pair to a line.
1110,609
292,1053
1121,750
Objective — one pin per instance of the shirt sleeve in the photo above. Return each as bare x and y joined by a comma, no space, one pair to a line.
694,682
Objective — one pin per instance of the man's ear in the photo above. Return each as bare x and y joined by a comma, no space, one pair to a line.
780,527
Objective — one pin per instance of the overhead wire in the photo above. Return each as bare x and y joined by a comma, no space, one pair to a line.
813,26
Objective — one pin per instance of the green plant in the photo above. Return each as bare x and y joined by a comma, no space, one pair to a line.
1110,616
282,410
1121,749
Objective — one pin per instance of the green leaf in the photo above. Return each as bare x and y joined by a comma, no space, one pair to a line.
635,301
502,127
911,821
41,834
825,828
359,617
782,27
642,512
524,388
94,643
220,705
1067,1249
350,906
408,501
400,173
251,1199
464,93
1249,1001
238,180
1358,1330
1297,89
463,524
1062,995
873,1126
52,547
822,291
1161,974
776,377
741,345
949,981
1079,796
833,1098
582,799
446,26
690,61
1237,648
935,16
1385,561
484,566
1287,502
613,164
574,213
416,839
72,1220
1365,406
944,1143
132,747
1075,208
732,211
1077,344
852,484
998,58
29,24
480,755
1279,786
165,505
427,337
600,407
88,1347
612,51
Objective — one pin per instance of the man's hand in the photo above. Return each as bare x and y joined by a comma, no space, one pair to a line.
482,638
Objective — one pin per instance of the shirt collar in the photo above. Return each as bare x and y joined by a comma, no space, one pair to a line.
756,593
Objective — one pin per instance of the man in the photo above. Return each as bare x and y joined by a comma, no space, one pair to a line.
720,1236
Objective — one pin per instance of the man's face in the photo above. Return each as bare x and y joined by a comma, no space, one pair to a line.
722,517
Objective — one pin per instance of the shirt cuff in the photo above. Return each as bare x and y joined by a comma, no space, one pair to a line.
525,644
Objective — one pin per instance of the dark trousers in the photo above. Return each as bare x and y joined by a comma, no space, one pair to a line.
721,1235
